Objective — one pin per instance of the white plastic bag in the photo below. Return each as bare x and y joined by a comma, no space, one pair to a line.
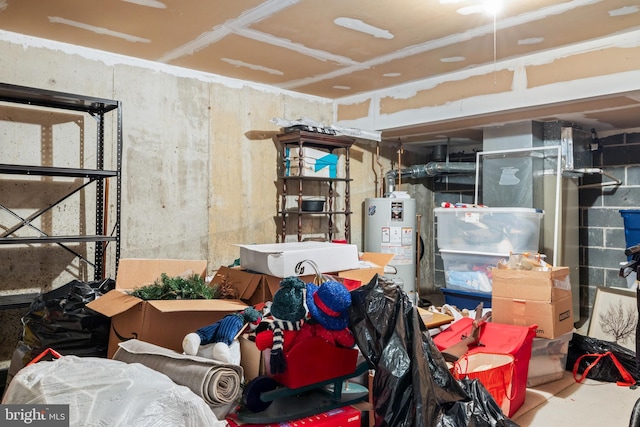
105,392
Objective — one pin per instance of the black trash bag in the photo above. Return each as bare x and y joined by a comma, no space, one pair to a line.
605,370
60,319
412,385
482,410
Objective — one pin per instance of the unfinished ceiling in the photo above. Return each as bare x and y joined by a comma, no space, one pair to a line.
341,48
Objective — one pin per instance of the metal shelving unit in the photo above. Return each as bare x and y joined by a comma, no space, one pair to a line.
329,143
97,108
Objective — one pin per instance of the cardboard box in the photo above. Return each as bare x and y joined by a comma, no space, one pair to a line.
346,416
553,319
371,263
251,358
535,285
527,297
314,163
253,288
165,322
280,259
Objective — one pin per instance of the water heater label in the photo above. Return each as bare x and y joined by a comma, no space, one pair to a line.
407,236
386,235
396,236
398,241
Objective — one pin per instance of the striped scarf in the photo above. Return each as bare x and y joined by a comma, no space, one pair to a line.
278,361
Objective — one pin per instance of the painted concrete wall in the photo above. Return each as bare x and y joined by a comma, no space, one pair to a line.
193,183
199,168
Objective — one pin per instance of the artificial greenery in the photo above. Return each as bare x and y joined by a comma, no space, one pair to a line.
171,288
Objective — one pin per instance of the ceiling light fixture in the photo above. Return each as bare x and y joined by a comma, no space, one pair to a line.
490,7
358,25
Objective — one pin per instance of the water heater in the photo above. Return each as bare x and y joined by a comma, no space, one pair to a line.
390,227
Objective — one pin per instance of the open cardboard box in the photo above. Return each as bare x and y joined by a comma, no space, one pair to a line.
528,297
163,322
371,263
254,288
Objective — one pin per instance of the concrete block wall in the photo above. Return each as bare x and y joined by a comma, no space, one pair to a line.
602,236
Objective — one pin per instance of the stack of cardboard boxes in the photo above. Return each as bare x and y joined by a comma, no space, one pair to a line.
539,297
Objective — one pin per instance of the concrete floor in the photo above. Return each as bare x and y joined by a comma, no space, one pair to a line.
567,403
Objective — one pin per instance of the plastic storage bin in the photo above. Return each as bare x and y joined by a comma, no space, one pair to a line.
497,230
631,219
463,299
468,271
548,359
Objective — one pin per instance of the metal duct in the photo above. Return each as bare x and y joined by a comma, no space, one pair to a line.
428,170
439,153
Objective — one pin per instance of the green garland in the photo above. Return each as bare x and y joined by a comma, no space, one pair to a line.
172,288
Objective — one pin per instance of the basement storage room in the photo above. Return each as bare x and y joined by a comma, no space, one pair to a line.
319,213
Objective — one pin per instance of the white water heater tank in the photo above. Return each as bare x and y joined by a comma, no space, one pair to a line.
390,227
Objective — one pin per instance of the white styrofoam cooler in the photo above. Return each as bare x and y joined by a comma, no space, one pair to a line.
280,259
489,230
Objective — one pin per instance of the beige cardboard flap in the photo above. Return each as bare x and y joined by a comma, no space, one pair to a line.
169,306
273,283
136,272
377,258
113,303
372,263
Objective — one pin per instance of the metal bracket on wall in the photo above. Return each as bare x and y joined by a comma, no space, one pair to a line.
595,171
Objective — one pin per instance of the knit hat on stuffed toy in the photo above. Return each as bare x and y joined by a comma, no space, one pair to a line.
328,304
288,309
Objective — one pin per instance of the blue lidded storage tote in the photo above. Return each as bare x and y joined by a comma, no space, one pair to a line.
631,218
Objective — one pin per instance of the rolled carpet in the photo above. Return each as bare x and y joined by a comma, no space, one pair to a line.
217,383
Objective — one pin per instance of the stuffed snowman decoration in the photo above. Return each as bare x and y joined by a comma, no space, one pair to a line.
284,318
218,340
328,306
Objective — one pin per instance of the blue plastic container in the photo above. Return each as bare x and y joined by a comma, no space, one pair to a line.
465,299
631,218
